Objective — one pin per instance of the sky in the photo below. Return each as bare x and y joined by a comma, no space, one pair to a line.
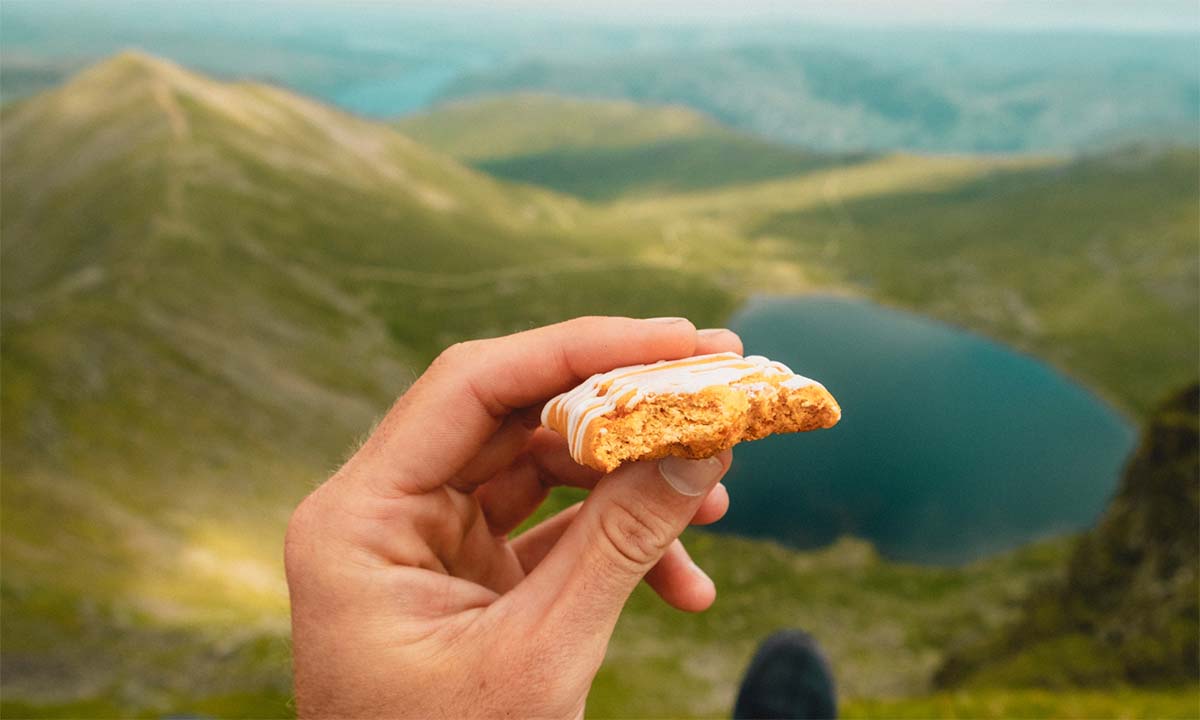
1118,16
1112,15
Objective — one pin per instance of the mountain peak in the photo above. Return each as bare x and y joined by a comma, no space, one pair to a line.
134,111
137,58
136,96
130,65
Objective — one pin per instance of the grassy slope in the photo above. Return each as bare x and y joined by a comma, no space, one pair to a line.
883,624
603,149
498,127
1118,704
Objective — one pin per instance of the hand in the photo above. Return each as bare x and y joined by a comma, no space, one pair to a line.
408,598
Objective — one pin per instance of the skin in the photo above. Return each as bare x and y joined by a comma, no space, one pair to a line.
409,599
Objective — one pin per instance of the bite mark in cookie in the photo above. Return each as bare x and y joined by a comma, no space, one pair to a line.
694,408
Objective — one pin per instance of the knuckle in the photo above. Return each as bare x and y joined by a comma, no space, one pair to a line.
306,531
588,324
461,355
454,354
637,538
298,536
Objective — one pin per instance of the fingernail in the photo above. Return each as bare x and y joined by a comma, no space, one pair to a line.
713,332
698,571
667,320
690,477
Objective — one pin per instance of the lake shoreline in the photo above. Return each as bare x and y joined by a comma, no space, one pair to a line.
852,294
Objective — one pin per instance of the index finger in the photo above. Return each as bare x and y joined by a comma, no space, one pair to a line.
436,427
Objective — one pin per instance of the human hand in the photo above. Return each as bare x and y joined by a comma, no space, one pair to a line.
408,598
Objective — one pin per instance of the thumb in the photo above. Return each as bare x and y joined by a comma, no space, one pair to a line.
623,528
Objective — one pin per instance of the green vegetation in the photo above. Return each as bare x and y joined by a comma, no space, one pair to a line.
882,624
662,167
603,149
209,291
509,126
1122,704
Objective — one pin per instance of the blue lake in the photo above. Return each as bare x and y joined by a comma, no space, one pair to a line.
950,447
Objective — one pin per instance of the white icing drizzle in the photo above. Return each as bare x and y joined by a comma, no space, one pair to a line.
626,387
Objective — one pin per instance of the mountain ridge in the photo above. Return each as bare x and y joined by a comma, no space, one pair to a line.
834,99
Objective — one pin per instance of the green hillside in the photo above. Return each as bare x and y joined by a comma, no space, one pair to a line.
603,149
518,124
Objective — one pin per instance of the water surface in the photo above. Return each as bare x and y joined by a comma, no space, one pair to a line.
951,446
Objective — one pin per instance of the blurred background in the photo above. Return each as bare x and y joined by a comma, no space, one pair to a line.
232,233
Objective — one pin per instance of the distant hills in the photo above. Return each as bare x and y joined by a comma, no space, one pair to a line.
966,99
210,291
823,81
